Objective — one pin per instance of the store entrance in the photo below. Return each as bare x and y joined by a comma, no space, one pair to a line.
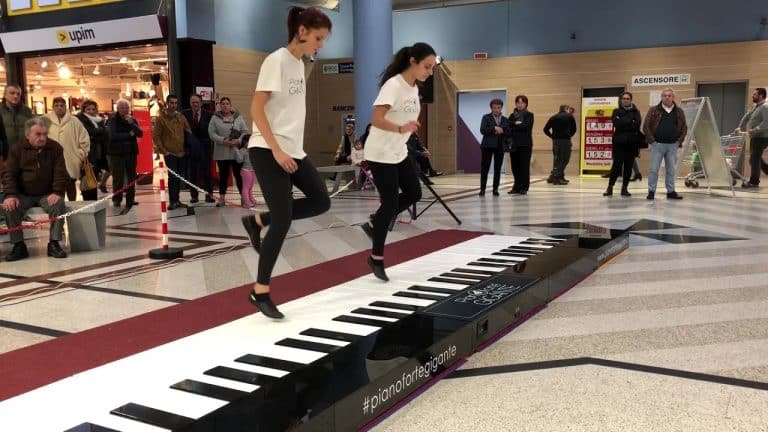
104,76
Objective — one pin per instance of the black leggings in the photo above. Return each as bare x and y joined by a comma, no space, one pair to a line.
224,166
485,165
623,159
277,186
389,180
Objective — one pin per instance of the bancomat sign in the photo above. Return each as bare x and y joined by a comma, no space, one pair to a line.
21,7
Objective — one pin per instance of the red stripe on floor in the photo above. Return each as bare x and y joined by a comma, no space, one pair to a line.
31,367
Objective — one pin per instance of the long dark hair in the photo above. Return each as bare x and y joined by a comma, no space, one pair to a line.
310,18
402,59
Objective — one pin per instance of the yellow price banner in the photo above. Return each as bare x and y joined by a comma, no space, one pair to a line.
23,7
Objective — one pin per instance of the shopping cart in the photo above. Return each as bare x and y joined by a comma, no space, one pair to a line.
733,152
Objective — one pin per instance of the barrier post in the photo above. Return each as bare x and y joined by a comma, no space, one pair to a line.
164,252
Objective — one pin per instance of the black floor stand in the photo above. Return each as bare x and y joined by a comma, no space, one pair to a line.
437,199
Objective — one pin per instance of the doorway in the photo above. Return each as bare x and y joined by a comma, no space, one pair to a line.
728,102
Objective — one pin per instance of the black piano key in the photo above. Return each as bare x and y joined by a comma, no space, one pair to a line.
418,295
90,427
536,243
524,248
330,334
308,345
391,305
513,254
520,251
451,281
487,264
240,375
548,240
361,320
475,278
380,313
498,260
270,362
209,390
473,271
433,289
152,416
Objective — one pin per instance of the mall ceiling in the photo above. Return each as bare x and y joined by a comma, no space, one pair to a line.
399,5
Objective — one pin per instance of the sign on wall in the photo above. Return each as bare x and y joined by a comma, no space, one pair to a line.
96,33
597,134
338,68
22,7
661,80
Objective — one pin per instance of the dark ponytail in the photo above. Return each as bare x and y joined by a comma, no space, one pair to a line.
402,59
310,18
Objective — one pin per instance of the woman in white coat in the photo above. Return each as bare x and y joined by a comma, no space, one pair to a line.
73,137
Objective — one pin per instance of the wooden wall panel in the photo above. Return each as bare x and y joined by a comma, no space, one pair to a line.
552,80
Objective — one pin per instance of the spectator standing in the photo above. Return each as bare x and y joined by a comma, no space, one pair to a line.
99,138
561,127
168,139
755,123
13,114
665,129
494,128
73,138
122,151
521,145
225,129
626,139
200,166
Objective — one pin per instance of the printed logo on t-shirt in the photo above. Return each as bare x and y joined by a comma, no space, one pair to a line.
411,105
295,86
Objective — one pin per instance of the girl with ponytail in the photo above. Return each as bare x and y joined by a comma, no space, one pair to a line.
394,119
276,148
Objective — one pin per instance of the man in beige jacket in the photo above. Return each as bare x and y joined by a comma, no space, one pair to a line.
168,140
73,137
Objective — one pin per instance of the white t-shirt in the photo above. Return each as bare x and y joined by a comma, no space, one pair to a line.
282,74
403,99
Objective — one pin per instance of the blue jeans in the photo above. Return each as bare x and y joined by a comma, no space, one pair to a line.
668,152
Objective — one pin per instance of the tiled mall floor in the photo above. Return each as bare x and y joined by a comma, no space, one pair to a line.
672,335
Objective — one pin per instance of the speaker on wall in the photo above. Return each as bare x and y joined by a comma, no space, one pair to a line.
427,90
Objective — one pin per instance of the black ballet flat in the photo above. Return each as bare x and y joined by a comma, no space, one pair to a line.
378,268
265,306
254,231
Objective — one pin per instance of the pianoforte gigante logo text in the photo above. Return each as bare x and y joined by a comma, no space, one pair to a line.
488,294
420,374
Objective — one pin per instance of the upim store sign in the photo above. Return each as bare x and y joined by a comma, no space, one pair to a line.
97,33
661,80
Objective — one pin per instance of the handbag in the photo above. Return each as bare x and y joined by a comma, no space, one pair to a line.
641,143
88,181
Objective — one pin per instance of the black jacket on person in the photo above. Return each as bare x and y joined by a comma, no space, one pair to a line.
121,142
626,126
492,140
560,126
521,125
201,130
99,136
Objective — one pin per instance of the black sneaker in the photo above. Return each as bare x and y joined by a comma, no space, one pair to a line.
748,185
55,251
209,199
18,252
378,268
434,173
674,196
651,195
625,193
254,231
265,305
194,201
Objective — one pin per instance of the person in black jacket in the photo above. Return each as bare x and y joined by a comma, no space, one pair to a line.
521,146
200,167
97,154
626,139
561,127
495,129
122,150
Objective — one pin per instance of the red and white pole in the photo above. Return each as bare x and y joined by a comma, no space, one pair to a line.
165,252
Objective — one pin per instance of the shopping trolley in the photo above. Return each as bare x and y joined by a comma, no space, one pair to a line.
733,152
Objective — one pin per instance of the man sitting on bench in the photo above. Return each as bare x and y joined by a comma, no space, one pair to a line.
35,175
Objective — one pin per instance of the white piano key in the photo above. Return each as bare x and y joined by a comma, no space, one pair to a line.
177,402
235,385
